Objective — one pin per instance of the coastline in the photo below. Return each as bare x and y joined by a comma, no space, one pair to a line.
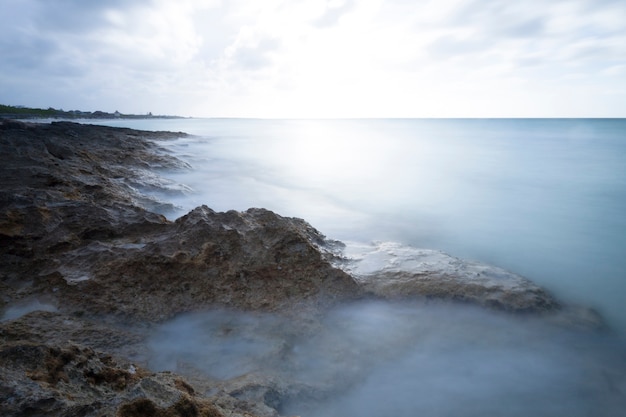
80,240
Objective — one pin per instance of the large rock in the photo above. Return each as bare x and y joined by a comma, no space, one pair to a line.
63,186
255,260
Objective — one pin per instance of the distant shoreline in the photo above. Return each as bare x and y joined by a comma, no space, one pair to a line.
20,112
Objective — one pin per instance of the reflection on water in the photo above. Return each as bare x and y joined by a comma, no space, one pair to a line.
407,359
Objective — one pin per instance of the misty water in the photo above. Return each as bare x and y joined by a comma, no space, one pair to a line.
374,359
542,198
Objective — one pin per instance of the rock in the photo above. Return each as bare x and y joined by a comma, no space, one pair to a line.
84,243
71,380
392,271
50,367
255,260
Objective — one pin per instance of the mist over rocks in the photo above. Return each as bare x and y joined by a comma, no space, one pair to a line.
83,234
66,378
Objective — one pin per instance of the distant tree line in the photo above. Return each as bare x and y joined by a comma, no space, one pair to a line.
20,112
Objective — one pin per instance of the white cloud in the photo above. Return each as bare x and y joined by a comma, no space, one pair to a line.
310,58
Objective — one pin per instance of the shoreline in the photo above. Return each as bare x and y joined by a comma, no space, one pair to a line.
79,240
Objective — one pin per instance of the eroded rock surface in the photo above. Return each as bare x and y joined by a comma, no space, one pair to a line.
43,375
393,271
255,260
75,234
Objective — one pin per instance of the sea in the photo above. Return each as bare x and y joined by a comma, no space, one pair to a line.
544,198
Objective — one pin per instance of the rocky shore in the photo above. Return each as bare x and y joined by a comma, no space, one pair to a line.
88,265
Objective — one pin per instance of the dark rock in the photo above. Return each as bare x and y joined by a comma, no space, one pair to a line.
82,239
39,379
255,260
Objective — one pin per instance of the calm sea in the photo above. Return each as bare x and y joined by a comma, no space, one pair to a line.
545,198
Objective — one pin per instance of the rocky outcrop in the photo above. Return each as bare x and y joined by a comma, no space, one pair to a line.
64,186
255,260
394,272
75,232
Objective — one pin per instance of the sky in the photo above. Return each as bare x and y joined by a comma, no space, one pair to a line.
317,58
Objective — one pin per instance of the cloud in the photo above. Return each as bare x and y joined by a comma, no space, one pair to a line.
90,35
554,36
76,16
103,49
449,46
334,11
251,51
256,57
338,57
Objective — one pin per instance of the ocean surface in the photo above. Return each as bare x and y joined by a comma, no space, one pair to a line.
544,198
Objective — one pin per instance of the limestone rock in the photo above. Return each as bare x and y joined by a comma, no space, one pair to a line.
393,271
47,380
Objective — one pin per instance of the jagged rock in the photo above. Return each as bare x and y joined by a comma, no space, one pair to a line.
58,365
39,379
251,260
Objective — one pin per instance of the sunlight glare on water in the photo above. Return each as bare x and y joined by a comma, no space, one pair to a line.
544,198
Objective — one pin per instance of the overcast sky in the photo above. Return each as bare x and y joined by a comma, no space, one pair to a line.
317,58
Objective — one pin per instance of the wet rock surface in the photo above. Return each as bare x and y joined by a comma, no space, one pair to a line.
393,271
81,238
54,377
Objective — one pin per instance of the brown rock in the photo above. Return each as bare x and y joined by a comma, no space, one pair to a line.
74,233
254,260
60,378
